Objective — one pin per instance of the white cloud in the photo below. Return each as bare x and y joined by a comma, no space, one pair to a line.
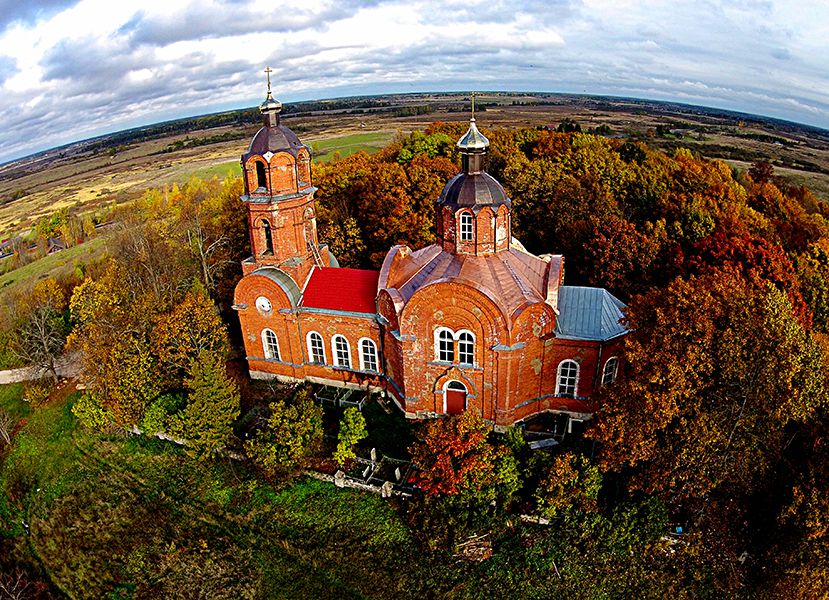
96,65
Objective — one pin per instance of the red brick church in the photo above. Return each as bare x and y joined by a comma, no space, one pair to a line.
473,322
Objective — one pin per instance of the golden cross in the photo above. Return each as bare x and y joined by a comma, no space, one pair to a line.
268,72
473,105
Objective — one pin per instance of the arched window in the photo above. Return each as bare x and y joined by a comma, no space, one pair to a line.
270,344
568,378
316,350
266,229
466,347
303,170
445,345
368,355
261,178
611,368
341,351
466,227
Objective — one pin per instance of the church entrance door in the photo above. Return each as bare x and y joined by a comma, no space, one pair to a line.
455,398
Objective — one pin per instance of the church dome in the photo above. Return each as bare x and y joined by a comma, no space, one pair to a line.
274,139
473,190
473,187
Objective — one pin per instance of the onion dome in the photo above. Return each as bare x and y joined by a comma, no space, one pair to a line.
474,191
270,104
473,140
473,187
273,137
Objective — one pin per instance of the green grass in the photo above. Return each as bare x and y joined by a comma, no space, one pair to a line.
128,515
11,400
221,170
54,264
325,150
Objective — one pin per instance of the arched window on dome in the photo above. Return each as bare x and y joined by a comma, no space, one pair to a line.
466,226
611,369
266,230
445,345
270,345
303,170
342,351
466,347
261,177
368,355
567,381
316,349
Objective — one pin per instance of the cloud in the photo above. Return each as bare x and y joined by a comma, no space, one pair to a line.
90,66
13,11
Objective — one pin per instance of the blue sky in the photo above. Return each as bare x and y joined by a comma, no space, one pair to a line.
74,69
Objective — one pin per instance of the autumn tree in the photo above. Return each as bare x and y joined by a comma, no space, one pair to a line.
454,457
191,328
717,372
352,430
111,330
41,328
569,485
289,436
212,406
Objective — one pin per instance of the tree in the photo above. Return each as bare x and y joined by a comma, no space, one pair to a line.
290,435
352,430
41,328
717,372
454,458
212,406
191,328
570,485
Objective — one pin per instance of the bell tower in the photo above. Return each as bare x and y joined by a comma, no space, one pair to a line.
280,198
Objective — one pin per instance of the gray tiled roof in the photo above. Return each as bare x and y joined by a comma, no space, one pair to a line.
588,314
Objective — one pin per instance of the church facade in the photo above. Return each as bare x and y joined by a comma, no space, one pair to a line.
472,322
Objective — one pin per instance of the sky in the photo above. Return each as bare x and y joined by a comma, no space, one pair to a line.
73,69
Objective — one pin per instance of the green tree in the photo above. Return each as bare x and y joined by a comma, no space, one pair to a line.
290,435
212,406
352,430
569,486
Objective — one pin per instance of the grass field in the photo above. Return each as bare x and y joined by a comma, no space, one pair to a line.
222,170
326,149
54,264
124,516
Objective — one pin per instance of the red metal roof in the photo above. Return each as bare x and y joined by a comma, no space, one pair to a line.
352,290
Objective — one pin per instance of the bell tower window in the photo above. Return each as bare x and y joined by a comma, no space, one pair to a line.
466,227
266,229
261,179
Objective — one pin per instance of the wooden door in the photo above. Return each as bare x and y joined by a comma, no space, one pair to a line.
455,401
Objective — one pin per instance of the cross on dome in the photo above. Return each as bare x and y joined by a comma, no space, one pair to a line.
270,105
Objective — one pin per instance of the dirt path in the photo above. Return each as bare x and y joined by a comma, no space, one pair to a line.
68,366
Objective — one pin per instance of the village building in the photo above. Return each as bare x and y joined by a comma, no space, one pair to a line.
472,322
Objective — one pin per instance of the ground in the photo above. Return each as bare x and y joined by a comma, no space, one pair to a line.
90,181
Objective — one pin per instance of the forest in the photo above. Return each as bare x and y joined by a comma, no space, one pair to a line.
704,473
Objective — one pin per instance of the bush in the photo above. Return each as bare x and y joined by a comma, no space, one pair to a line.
37,392
352,430
157,416
91,413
